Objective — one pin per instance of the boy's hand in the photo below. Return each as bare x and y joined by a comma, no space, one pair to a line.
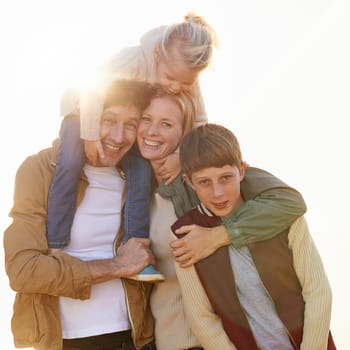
170,168
93,150
198,243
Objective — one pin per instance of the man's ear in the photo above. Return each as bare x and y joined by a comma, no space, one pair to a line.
188,181
243,170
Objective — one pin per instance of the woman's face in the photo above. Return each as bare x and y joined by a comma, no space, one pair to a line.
174,76
160,128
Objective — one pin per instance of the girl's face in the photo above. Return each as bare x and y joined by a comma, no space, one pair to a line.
160,128
174,75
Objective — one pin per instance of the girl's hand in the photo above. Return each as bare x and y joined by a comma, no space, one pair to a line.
93,150
198,243
170,168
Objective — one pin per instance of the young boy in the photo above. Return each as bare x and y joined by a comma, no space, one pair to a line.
272,294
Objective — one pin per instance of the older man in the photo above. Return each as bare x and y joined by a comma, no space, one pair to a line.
76,298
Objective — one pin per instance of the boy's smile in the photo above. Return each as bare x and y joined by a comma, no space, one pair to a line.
219,188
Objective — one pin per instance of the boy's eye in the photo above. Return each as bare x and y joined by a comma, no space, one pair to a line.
203,182
227,177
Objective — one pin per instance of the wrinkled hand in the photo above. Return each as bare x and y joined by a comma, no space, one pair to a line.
93,150
169,168
198,243
133,256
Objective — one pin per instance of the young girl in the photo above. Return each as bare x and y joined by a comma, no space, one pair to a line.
172,56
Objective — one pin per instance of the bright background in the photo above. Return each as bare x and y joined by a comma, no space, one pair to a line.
280,81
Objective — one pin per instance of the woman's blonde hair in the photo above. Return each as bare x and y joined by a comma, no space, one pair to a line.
185,102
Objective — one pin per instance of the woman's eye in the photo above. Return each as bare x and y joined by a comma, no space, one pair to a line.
166,124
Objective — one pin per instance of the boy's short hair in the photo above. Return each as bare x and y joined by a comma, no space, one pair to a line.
125,92
207,146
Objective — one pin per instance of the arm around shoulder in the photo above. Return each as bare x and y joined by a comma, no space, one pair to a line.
267,199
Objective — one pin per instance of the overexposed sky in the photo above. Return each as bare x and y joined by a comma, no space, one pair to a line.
280,80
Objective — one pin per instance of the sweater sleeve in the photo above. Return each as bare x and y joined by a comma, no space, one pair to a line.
205,323
91,108
315,287
29,268
267,199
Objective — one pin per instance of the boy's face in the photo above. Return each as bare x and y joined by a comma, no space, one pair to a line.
219,188
118,133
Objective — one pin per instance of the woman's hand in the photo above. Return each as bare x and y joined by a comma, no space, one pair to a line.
170,168
93,150
198,243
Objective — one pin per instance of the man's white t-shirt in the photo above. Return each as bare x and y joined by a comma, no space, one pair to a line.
94,229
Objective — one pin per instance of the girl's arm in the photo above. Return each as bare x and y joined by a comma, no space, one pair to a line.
91,108
315,286
267,199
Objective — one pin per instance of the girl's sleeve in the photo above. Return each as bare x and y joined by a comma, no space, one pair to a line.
205,323
91,107
315,287
267,200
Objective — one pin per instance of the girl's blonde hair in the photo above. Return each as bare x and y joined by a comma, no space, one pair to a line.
194,40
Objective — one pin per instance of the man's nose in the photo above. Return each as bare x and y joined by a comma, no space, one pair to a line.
117,133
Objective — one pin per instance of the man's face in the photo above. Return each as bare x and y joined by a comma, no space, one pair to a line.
118,133
219,188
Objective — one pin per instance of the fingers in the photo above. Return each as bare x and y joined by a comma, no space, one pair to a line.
170,179
185,229
100,149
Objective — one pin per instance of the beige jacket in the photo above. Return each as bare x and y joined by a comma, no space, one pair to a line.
39,279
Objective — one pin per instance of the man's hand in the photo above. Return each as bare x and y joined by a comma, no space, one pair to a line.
198,243
93,150
131,258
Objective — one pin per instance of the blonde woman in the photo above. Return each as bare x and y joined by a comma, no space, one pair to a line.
172,56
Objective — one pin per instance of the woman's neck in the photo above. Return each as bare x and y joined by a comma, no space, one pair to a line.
155,166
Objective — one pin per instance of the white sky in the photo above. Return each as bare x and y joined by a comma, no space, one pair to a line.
280,81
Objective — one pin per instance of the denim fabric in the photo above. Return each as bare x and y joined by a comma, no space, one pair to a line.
63,190
138,174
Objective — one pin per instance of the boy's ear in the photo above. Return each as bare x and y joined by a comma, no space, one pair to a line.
243,170
188,181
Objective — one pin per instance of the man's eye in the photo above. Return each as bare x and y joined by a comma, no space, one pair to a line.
145,118
107,121
131,126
